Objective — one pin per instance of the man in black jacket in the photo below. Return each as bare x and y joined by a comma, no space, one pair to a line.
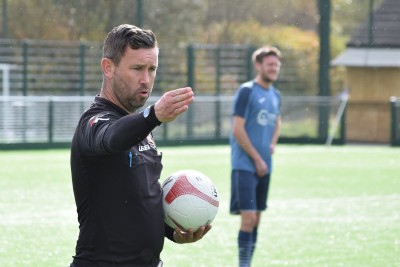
115,164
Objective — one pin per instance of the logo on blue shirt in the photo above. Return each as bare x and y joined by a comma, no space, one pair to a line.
265,118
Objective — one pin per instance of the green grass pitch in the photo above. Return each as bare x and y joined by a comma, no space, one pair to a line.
328,206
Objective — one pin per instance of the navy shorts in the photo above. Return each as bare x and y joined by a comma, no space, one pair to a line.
248,191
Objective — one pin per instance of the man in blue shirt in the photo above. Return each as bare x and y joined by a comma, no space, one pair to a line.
255,132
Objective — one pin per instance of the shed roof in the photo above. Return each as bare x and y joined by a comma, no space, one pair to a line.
368,57
379,47
385,28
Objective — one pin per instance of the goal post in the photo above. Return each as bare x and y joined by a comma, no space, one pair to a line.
5,73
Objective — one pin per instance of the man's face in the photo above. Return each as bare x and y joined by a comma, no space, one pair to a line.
269,68
134,77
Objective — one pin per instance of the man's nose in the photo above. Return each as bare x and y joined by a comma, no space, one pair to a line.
145,78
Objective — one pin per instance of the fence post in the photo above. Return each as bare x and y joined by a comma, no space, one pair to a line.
393,121
218,93
249,63
165,132
371,23
324,7
25,47
191,83
139,12
82,49
5,19
50,122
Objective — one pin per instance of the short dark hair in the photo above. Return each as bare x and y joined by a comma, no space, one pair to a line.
123,35
265,51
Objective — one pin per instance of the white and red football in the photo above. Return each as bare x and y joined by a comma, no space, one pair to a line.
190,200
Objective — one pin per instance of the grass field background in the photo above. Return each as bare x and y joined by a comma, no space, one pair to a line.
328,206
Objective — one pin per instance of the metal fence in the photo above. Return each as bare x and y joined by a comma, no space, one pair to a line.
39,67
44,121
44,67
48,84
220,69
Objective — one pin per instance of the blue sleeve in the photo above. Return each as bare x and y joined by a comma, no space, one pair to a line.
241,102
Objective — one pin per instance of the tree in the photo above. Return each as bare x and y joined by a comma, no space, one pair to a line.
178,21
290,24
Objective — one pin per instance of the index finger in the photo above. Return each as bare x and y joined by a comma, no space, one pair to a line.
180,91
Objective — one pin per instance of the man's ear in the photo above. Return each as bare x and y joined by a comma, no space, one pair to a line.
108,67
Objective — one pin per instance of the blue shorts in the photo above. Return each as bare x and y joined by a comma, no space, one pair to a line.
248,191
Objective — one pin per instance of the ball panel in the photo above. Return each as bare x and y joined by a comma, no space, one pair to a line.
182,186
190,200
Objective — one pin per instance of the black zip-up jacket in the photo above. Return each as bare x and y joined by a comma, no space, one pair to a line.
116,169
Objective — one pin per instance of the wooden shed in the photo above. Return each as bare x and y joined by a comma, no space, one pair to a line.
372,62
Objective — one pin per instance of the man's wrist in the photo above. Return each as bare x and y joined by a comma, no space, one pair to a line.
149,115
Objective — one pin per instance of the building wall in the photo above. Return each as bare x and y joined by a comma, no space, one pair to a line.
368,111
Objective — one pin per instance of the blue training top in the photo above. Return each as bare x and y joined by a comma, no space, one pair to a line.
260,107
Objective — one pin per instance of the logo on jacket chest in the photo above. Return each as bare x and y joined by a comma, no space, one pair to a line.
150,144
144,148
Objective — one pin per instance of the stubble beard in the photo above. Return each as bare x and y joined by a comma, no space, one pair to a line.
266,78
130,99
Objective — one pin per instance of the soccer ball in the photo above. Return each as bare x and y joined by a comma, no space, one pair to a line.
190,200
